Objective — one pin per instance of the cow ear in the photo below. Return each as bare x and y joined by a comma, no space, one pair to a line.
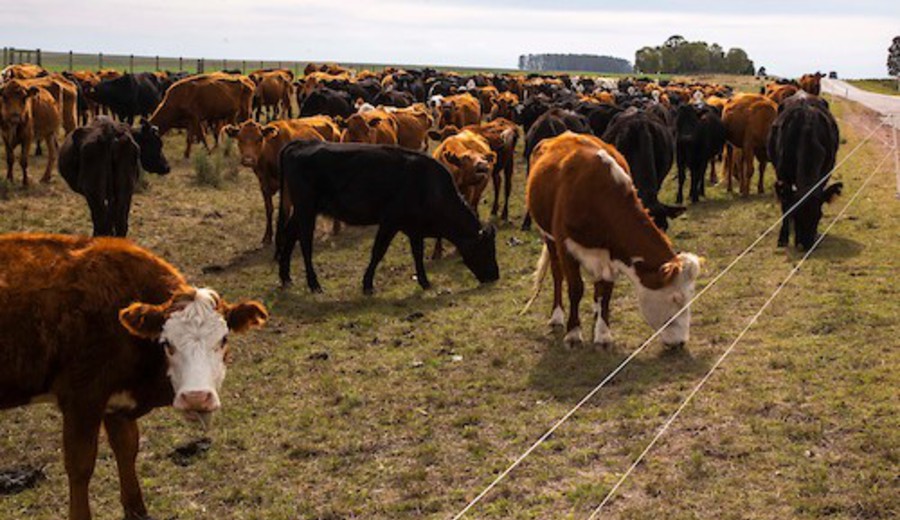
434,135
33,90
245,315
231,131
374,122
833,192
451,158
143,320
491,157
269,131
674,211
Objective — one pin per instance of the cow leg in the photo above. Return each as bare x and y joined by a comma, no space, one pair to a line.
602,294
124,439
190,141
270,209
526,222
119,209
557,316
307,229
495,179
508,169
10,158
382,240
762,170
572,273
285,241
80,432
52,148
23,161
786,196
729,166
417,246
746,172
696,182
712,172
682,175
99,212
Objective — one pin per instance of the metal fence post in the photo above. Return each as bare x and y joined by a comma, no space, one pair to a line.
180,64
70,62
100,60
39,60
131,63
243,66
157,63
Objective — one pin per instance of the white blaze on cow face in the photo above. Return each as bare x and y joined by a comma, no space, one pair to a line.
659,305
194,340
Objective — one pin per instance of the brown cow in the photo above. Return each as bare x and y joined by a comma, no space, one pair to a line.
108,331
259,147
104,74
65,92
412,126
207,99
27,113
274,90
747,119
778,92
581,197
459,110
505,105
812,83
373,127
22,71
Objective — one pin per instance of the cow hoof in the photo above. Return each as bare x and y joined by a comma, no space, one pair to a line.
286,284
315,288
557,318
782,243
573,337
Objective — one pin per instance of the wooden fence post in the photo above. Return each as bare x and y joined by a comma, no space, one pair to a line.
39,60
243,66
131,63
100,60
180,64
157,63
71,68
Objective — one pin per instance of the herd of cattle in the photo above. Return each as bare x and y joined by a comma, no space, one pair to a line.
137,336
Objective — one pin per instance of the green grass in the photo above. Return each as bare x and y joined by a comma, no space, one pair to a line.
411,415
880,86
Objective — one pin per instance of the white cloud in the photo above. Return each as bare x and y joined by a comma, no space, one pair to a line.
397,31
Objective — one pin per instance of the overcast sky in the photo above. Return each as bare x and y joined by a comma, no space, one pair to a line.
789,38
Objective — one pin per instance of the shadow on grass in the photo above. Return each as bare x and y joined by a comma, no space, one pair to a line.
568,374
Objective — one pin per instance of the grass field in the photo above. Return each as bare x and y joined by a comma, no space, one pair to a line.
406,404
880,86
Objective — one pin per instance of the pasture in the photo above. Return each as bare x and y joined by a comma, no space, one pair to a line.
407,403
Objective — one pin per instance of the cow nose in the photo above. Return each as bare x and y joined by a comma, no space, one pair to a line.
247,161
197,400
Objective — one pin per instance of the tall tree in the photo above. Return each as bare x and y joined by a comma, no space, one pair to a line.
893,62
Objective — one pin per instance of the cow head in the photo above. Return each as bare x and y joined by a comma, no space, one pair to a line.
192,328
16,102
808,215
469,168
360,130
152,158
250,137
664,291
480,255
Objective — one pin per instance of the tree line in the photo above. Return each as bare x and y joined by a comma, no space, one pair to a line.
679,56
574,62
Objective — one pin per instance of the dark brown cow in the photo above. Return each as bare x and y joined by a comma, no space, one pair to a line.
747,119
259,147
108,331
207,99
27,113
581,196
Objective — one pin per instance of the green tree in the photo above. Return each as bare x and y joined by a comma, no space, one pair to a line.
893,62
737,62
648,60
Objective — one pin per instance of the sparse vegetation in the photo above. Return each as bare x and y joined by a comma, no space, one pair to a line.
214,168
406,404
887,86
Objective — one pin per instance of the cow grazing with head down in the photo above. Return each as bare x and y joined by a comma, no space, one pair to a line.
259,147
647,145
803,145
27,114
101,161
108,331
398,190
583,200
699,138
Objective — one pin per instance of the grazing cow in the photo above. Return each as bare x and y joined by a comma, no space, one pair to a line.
812,83
326,101
803,145
647,145
469,159
259,147
128,96
747,119
273,93
699,138
398,190
100,161
373,127
108,331
27,113
412,126
582,199
206,99
459,110
551,123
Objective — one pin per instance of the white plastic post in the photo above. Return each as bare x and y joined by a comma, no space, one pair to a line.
895,120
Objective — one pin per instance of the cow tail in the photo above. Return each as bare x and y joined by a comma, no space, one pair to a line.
539,274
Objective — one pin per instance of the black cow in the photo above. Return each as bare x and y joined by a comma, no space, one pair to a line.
802,145
363,184
649,148
551,123
599,116
129,95
394,98
100,161
699,139
326,101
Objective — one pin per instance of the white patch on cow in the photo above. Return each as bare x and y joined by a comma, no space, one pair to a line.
617,172
195,337
365,107
698,97
573,336
655,95
43,398
595,261
470,84
602,334
557,318
659,305
120,402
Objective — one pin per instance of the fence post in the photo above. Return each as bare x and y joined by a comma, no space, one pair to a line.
894,122
100,59
70,62
243,66
157,63
131,63
180,64
5,56
261,64
39,60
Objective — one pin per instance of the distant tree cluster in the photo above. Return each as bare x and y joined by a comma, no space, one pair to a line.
893,62
574,62
679,56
